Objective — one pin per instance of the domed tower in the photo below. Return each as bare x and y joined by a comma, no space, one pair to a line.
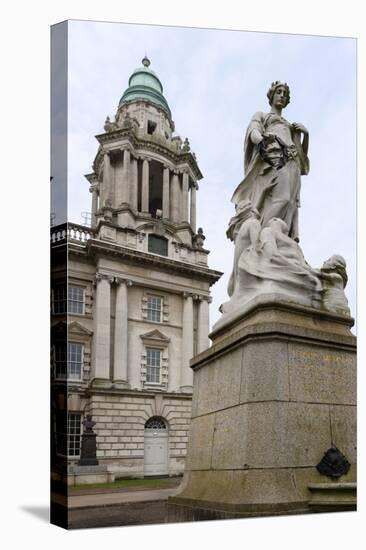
142,287
145,177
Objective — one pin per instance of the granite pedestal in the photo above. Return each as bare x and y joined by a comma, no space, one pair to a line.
276,390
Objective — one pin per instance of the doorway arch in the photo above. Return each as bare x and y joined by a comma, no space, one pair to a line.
156,438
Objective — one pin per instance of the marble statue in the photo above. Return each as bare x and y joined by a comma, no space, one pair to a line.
333,275
110,126
267,257
268,261
275,157
199,238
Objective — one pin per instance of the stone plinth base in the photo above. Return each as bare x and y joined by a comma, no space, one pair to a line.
88,455
275,391
86,475
327,497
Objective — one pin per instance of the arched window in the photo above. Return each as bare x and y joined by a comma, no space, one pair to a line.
155,423
158,245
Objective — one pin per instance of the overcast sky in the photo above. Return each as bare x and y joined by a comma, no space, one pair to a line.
214,81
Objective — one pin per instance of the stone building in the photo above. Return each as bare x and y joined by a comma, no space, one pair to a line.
135,305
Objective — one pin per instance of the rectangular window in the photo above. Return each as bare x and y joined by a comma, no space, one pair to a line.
60,361
68,433
154,308
158,245
59,299
153,365
68,361
74,360
75,300
73,434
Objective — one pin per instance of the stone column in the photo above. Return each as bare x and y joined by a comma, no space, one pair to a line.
106,178
184,215
102,328
187,343
145,187
193,206
125,189
175,198
120,374
134,184
203,328
94,193
166,193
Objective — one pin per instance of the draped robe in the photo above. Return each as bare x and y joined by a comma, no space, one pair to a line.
273,190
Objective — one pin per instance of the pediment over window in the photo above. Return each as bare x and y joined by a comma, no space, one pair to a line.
77,328
160,228
155,337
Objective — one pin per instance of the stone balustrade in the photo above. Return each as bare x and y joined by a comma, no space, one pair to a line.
71,231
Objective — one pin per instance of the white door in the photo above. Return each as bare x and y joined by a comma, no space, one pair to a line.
156,448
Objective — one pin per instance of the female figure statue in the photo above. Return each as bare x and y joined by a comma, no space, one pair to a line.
274,159
268,261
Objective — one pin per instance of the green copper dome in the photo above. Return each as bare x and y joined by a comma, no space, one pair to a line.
144,84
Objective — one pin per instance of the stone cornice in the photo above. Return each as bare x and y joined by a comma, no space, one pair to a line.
147,144
274,331
137,393
96,247
92,178
125,207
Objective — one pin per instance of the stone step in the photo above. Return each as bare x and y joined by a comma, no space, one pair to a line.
337,496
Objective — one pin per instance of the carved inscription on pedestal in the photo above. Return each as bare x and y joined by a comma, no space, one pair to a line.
320,375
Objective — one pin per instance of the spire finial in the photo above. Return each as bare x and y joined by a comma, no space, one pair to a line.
146,61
